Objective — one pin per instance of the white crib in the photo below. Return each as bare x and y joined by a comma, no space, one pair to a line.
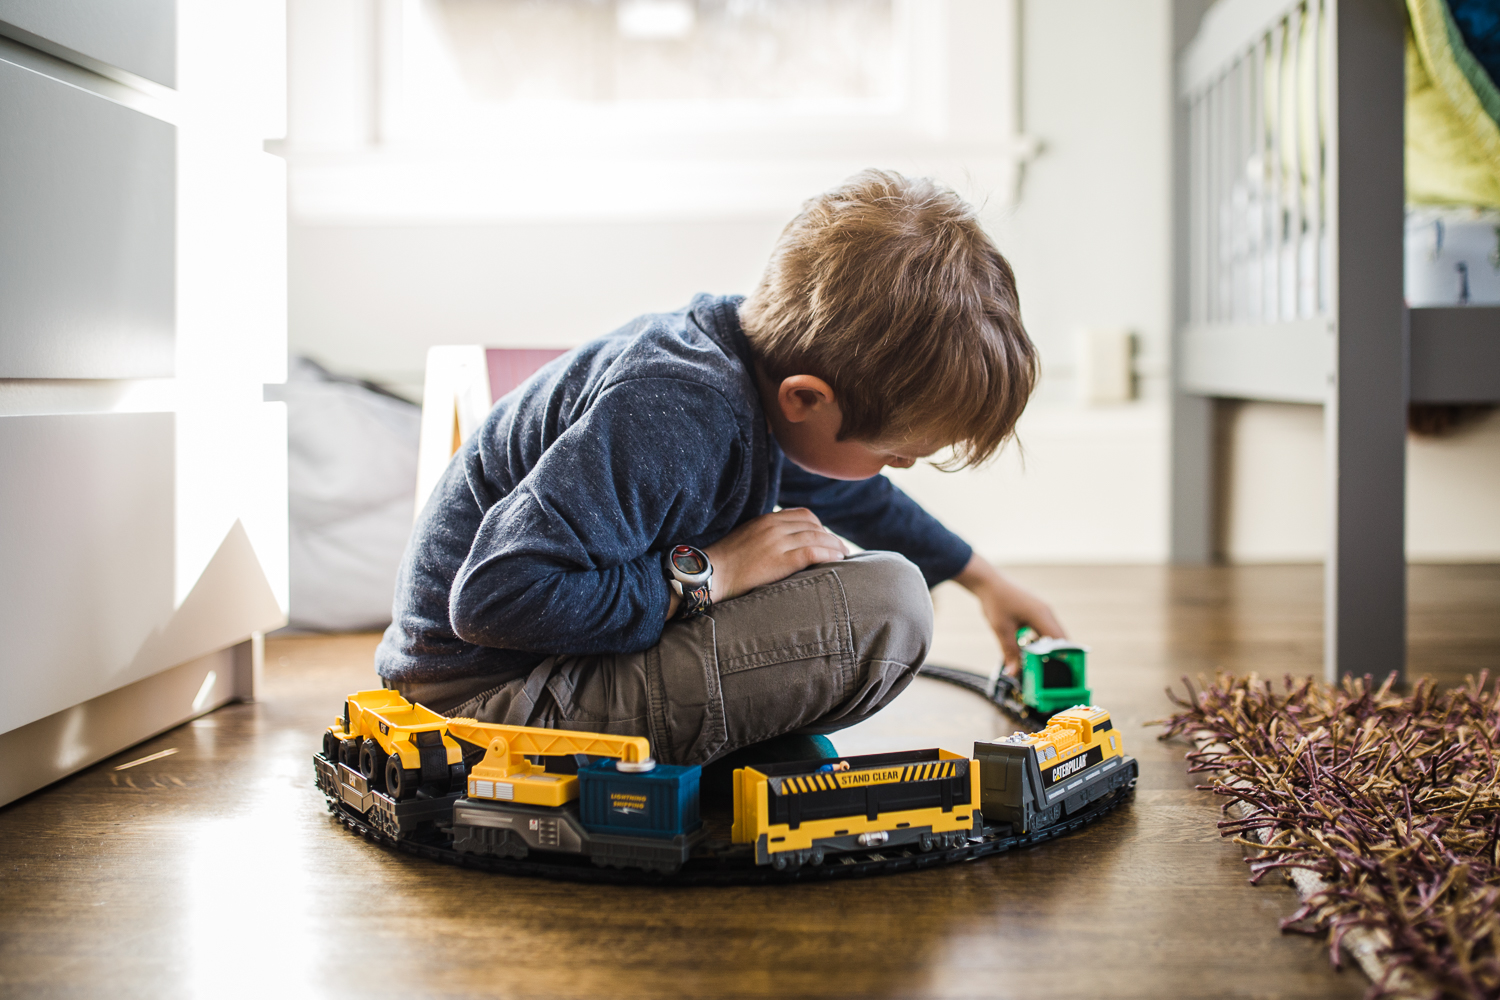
1290,204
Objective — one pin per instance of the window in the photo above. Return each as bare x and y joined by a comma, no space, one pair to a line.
472,56
536,109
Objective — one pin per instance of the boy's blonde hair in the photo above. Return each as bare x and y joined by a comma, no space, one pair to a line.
887,289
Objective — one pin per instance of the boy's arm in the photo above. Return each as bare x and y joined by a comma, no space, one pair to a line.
875,514
1008,608
570,560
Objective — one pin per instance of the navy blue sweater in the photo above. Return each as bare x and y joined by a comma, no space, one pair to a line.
546,533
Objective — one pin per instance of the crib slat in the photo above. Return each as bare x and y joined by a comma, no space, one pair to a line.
1322,131
1198,199
1258,125
1299,178
1211,216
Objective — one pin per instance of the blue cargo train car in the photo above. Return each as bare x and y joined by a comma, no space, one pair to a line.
661,802
639,819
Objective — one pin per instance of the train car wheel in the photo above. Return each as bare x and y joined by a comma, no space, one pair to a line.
372,758
495,843
816,857
781,862
924,842
401,782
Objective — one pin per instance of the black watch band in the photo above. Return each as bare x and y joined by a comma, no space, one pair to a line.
694,602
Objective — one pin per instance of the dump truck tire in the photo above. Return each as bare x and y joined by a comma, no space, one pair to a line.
372,760
401,782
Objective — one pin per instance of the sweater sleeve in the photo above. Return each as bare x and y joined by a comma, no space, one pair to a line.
569,561
874,514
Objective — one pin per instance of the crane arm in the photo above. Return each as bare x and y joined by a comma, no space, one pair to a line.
506,746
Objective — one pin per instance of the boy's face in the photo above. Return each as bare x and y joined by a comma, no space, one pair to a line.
805,419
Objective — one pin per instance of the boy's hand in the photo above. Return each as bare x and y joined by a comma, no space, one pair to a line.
1007,608
769,548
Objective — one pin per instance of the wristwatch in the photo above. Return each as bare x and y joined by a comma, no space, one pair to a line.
691,575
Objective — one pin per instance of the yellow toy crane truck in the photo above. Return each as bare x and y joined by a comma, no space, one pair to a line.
621,809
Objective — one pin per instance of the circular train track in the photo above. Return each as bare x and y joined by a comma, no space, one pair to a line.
719,862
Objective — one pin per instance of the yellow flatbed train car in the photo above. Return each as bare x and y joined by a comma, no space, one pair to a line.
796,813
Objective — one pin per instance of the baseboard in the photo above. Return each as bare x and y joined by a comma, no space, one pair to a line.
54,747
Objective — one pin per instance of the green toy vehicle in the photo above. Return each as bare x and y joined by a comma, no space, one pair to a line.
1053,677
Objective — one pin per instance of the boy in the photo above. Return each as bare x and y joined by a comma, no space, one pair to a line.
605,553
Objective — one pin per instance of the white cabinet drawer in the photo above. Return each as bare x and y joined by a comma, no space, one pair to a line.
87,233
138,36
86,555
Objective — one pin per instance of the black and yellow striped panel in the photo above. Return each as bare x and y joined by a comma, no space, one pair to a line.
829,781
931,771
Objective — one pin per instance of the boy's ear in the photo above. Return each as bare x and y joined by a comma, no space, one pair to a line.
803,396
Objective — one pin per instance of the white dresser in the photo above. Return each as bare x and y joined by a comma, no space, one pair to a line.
142,309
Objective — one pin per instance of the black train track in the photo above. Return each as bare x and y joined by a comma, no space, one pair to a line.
1002,691
721,863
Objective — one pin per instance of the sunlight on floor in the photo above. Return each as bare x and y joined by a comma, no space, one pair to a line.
247,883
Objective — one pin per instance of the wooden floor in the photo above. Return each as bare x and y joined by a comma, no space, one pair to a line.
216,872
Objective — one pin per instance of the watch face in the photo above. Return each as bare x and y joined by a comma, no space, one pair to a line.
688,560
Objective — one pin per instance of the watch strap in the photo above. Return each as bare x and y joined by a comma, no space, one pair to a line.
695,600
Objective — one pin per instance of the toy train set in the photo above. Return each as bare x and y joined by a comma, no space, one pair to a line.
596,806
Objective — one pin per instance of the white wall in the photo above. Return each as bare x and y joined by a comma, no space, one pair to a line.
1274,490
1090,486
372,298
1088,239
1090,244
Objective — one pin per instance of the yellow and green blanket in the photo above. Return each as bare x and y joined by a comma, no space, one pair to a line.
1452,103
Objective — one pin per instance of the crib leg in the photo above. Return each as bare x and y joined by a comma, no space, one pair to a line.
1365,415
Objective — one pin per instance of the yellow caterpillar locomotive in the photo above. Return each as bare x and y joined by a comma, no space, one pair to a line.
1033,780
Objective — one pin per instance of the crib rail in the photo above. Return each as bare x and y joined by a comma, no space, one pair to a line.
1257,148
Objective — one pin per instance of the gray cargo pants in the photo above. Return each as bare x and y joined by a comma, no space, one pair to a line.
814,653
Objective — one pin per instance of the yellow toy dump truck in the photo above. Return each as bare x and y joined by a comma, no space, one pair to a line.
382,752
